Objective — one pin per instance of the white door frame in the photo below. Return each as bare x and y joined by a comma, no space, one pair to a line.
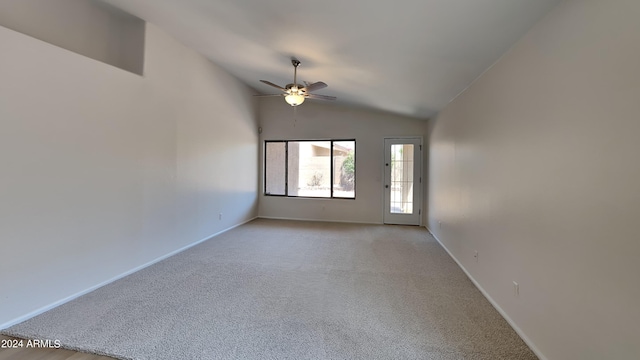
415,218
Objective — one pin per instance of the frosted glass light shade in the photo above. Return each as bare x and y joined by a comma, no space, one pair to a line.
294,99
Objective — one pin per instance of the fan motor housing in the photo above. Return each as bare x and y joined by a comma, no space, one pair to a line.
299,86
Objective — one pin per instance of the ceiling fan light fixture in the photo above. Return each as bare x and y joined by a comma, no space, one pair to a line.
294,99
294,93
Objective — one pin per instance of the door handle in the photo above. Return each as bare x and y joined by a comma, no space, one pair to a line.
386,186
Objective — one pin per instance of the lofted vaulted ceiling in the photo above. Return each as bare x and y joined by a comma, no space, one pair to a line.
409,57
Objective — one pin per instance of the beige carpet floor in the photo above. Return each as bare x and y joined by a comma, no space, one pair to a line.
274,289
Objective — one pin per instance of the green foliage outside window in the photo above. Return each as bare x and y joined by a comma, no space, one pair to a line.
348,172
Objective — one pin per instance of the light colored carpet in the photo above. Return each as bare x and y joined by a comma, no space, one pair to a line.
275,289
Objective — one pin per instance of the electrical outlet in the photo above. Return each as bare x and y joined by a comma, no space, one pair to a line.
475,255
439,224
220,216
516,289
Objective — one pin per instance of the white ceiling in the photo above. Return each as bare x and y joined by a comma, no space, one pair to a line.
408,57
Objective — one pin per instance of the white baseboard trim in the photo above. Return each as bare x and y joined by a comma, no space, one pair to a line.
117,277
515,327
320,220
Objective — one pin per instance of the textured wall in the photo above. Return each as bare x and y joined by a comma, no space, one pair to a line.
535,167
104,170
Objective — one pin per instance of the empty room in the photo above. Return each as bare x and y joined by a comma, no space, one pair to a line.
421,179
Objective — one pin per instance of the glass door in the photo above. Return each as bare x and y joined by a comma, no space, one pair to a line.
402,181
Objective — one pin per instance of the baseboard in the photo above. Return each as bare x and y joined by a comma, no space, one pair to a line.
512,323
117,277
320,220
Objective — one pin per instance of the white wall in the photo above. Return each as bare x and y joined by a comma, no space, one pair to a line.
103,171
88,27
317,120
536,167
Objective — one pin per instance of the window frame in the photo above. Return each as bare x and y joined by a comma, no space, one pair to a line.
286,169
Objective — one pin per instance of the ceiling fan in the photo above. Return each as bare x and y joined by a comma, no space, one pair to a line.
294,94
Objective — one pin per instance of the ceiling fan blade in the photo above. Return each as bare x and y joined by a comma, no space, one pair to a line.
315,86
266,95
321,97
272,84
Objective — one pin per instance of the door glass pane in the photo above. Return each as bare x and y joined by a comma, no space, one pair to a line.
309,168
401,179
274,163
344,169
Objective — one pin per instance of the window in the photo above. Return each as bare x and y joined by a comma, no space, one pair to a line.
310,168
275,168
402,179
